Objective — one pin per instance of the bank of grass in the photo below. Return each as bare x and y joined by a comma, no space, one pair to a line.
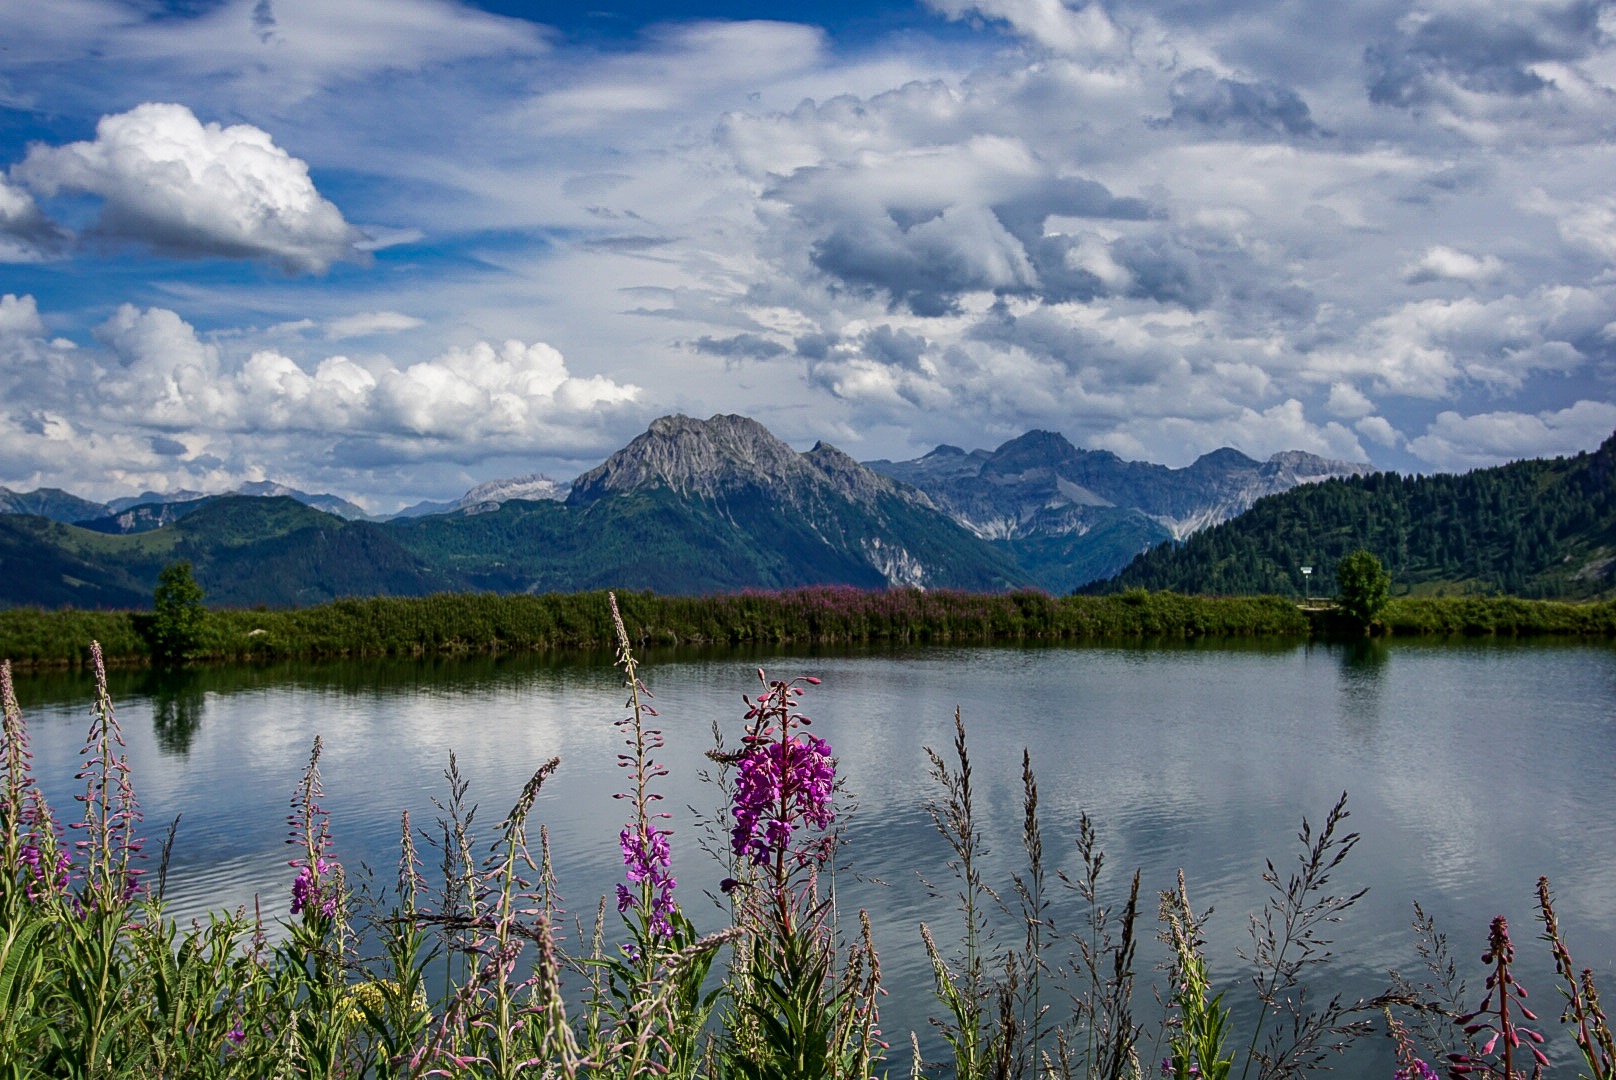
1506,616
463,623
468,623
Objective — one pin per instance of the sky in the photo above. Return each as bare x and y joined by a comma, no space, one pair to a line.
390,249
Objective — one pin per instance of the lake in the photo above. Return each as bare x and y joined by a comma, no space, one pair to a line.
1473,767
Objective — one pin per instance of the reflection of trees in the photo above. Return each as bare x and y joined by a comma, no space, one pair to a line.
176,696
1363,677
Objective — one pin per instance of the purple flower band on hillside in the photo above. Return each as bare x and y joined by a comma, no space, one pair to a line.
777,785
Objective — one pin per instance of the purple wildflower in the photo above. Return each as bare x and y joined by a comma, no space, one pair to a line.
1502,991
311,830
1419,1070
647,857
307,891
648,862
779,785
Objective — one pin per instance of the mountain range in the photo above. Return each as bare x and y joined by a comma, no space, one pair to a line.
689,506
1070,516
1533,528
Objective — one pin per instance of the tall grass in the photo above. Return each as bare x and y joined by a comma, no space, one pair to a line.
453,623
475,973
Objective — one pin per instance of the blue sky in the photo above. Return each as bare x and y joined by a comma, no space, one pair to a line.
394,248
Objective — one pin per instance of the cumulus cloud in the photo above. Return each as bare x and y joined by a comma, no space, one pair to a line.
1264,107
1442,263
1348,401
19,317
1587,224
1455,442
26,235
170,378
1446,47
1158,228
195,190
1429,348
170,398
1378,430
922,227
1085,31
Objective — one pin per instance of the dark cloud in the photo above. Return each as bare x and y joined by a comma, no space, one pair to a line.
897,348
1165,270
814,346
916,270
923,259
1484,50
1024,216
26,234
166,447
740,347
1200,97
627,244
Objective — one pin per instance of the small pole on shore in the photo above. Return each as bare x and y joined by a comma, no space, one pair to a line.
1307,583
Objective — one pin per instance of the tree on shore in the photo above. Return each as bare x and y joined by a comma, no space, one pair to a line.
1363,586
176,626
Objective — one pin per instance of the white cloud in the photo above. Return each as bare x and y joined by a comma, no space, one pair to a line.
1378,430
1085,31
19,317
367,323
184,188
680,65
1156,228
1428,348
1348,402
1454,442
1441,263
1588,225
286,51
1257,433
157,381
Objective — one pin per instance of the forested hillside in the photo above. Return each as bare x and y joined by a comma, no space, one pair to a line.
1540,528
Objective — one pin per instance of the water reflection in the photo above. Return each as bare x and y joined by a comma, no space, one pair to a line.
177,704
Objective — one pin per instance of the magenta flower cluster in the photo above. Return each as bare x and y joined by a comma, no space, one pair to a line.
306,890
779,783
646,858
41,881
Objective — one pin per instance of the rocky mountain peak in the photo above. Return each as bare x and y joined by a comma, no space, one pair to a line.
706,458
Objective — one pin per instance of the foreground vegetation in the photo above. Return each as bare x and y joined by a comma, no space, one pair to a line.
476,974
458,623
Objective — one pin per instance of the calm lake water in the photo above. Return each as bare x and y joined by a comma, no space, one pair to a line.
1472,768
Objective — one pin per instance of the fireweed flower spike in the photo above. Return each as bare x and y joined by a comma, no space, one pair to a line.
108,845
647,858
1494,1016
317,887
784,780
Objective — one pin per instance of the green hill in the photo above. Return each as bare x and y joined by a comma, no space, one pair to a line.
244,551
1535,528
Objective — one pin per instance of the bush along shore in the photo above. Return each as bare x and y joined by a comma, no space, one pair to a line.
480,973
451,623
